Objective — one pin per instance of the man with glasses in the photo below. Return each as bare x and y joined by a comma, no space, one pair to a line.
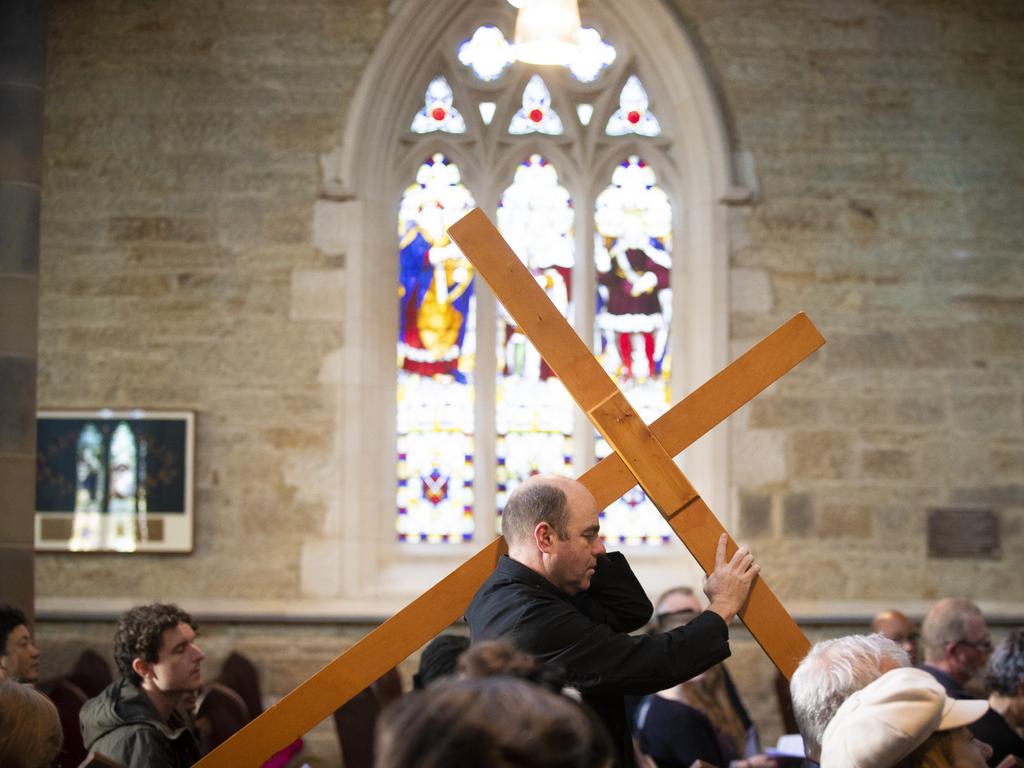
956,648
900,629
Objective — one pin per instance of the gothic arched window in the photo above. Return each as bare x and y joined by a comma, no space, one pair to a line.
567,160
608,178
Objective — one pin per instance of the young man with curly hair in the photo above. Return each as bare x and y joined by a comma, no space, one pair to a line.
137,720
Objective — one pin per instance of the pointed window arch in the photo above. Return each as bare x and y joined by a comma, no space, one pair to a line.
691,159
446,478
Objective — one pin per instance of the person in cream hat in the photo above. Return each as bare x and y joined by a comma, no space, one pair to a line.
904,719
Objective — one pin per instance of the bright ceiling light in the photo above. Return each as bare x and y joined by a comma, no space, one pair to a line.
547,31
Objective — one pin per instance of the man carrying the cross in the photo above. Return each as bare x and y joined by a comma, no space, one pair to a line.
561,597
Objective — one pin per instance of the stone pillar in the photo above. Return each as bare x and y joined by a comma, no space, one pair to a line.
22,63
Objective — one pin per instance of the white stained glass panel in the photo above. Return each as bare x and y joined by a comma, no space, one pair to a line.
594,57
633,115
632,254
438,113
436,348
536,114
533,410
487,53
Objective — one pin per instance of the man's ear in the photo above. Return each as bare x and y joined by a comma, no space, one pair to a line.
544,536
141,668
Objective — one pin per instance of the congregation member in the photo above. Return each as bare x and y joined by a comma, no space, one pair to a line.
490,722
683,603
559,596
830,673
1005,683
957,647
697,719
30,735
19,660
904,719
140,720
899,628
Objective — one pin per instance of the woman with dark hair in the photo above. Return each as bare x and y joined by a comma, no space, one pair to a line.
1005,684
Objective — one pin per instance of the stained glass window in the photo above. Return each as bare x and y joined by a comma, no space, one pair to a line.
632,116
436,348
110,488
594,57
124,469
632,256
90,470
438,113
534,413
531,418
487,53
536,114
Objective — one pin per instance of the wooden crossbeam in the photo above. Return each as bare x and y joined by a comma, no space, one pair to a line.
633,440
437,608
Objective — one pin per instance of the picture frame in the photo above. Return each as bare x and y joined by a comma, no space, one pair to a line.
114,481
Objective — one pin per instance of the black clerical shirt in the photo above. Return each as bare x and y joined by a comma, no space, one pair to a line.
586,636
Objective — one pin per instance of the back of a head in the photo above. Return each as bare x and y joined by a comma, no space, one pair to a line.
539,499
494,722
1006,666
831,671
30,734
140,631
10,619
947,622
494,658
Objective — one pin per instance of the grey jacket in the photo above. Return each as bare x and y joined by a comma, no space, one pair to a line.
122,724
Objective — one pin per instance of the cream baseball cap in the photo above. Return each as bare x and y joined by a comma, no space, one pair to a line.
889,718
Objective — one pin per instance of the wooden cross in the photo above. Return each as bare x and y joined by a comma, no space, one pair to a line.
642,453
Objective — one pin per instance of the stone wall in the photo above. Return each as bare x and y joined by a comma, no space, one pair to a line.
183,148
179,268
885,140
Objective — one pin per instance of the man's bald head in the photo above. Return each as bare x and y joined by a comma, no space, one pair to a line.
900,629
950,620
540,499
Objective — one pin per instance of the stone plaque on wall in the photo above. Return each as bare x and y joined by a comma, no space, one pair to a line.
959,532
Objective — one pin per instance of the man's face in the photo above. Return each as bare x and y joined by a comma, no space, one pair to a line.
972,652
177,668
572,561
901,631
20,660
677,602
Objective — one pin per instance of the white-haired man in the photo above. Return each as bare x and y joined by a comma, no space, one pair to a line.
830,672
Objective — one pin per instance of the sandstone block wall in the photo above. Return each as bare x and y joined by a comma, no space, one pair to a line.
182,195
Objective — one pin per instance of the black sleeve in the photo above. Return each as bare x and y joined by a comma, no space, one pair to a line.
615,597
598,659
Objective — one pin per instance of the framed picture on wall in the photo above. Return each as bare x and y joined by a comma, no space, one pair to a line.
114,481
